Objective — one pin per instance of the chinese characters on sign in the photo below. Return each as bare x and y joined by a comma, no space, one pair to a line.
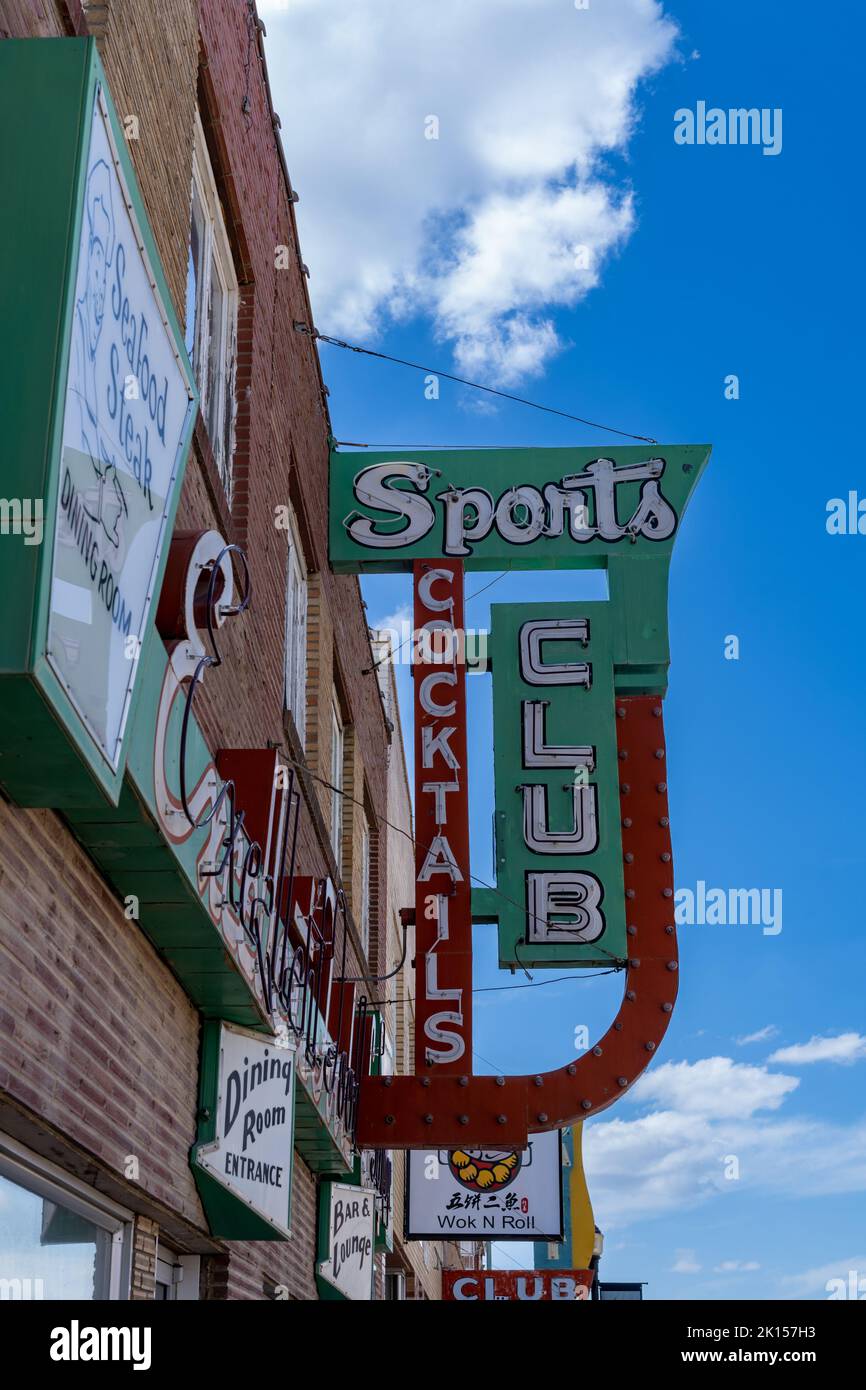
487,1194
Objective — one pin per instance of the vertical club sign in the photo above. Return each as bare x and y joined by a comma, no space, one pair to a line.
443,894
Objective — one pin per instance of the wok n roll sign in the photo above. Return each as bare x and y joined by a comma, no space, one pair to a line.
584,873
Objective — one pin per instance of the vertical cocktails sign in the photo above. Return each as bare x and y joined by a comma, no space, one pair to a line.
443,891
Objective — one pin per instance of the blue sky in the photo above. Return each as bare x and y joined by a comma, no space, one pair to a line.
728,261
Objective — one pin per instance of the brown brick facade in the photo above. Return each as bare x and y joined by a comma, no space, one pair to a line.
99,1044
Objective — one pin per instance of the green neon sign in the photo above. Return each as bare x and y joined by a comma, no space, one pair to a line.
508,508
559,876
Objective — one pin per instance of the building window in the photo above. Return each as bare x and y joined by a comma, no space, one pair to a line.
296,635
212,310
364,914
337,743
58,1239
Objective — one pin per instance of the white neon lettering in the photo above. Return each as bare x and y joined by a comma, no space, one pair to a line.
428,704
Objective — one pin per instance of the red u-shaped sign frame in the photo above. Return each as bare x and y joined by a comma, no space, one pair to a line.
444,1105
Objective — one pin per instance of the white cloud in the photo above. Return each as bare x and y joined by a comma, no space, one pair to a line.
705,1115
716,1087
844,1049
394,621
685,1263
814,1281
762,1035
737,1267
505,217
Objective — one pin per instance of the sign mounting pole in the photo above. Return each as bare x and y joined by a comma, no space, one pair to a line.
443,888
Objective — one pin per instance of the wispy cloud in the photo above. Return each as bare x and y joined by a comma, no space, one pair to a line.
762,1035
844,1049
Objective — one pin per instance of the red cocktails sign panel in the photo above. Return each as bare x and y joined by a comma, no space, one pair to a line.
443,891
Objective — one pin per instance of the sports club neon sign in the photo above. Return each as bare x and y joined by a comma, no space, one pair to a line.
583,851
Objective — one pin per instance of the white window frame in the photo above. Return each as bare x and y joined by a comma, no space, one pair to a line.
216,257
178,1273
364,914
295,686
338,753
35,1174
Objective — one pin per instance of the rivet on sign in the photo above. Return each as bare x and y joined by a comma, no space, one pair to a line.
667,1008
623,754
425,1081
634,962
387,1080
464,1119
622,1081
464,1081
632,931
500,1080
618,1026
586,1104
650,1046
428,1119
660,752
596,1051
664,822
542,1117
624,788
661,786
571,1068
626,821
501,1119
629,858
629,892
665,858
657,711
620,714
389,1119
669,930
667,892
630,995
539,1081
672,965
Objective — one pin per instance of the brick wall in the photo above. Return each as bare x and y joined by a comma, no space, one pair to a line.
98,1042
145,1238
